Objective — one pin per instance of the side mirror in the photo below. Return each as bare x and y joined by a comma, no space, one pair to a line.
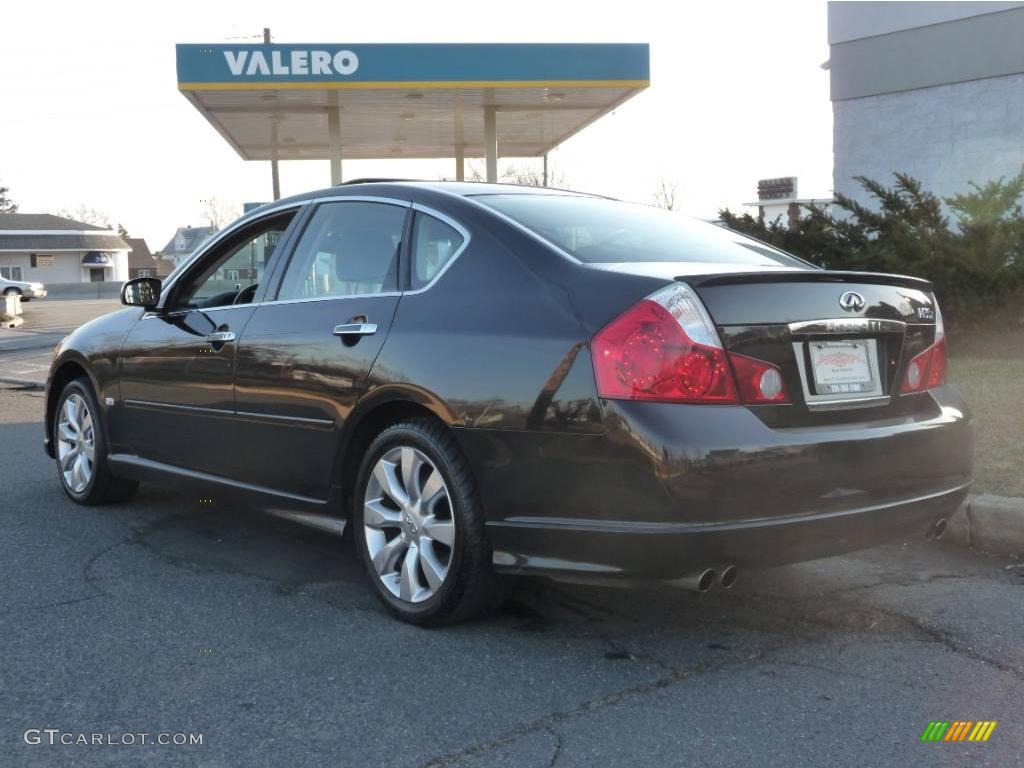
141,292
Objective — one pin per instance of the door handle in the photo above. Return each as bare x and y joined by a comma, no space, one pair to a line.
220,337
355,329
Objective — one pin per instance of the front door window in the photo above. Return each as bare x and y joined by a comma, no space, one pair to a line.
233,276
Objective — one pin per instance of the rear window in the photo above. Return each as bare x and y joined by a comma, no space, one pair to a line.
598,231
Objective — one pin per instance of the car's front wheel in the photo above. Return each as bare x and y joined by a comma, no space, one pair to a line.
12,292
419,526
80,445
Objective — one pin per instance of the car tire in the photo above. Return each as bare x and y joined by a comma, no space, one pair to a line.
417,574
12,292
80,448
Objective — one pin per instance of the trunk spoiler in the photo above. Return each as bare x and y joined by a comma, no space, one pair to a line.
805,276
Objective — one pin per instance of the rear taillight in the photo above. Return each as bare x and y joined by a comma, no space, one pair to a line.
663,348
758,381
928,369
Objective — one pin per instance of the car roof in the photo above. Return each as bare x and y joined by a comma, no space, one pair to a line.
471,188
397,186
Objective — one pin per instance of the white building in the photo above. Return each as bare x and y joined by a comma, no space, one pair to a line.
777,199
40,247
931,89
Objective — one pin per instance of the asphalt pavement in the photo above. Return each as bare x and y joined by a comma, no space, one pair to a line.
26,351
175,615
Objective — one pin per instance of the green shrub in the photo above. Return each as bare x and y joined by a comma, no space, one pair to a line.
976,264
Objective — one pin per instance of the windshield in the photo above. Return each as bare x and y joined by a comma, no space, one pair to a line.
599,231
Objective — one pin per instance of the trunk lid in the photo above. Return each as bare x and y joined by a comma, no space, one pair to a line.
840,339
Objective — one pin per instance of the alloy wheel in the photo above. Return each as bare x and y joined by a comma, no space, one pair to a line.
76,443
408,524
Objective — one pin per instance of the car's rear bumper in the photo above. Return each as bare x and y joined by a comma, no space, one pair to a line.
623,551
671,489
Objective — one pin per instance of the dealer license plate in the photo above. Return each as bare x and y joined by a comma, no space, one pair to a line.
843,367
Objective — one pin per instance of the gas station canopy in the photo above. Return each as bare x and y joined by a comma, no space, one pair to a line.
328,101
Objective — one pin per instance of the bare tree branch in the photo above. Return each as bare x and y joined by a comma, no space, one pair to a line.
524,174
87,215
666,194
217,212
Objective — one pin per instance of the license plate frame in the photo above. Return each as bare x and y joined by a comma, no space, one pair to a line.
819,400
845,367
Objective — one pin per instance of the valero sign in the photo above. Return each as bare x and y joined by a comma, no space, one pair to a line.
422,65
294,62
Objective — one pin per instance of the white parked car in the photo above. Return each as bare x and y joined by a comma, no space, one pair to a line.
27,291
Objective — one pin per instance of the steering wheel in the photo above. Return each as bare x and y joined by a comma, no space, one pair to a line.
246,295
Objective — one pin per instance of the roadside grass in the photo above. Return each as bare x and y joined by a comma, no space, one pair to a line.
990,373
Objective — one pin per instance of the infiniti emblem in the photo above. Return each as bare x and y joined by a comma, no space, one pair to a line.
851,301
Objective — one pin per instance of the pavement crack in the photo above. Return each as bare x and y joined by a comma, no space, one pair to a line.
558,746
135,536
936,635
842,673
56,604
547,722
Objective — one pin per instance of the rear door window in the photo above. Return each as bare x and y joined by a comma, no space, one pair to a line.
347,249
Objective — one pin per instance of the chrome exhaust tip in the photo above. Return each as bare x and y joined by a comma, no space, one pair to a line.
727,576
698,581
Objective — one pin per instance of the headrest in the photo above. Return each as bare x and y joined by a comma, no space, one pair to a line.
364,255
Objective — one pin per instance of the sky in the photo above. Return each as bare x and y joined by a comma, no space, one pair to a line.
90,114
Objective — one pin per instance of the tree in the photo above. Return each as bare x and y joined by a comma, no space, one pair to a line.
526,175
975,264
666,194
991,222
6,204
533,176
121,231
87,215
217,212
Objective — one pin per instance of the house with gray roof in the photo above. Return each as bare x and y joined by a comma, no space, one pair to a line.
41,247
184,242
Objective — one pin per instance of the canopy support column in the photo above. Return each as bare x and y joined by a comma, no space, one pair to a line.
491,142
334,131
275,179
460,162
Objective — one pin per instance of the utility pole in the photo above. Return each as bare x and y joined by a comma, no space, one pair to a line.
275,178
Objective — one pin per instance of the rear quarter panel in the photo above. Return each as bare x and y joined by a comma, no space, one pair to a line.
496,341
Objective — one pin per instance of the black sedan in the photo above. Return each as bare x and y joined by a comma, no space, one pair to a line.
484,379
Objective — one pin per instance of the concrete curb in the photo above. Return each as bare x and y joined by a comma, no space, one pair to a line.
61,291
990,523
25,383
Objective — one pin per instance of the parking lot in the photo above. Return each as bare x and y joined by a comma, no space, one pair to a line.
25,352
173,615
